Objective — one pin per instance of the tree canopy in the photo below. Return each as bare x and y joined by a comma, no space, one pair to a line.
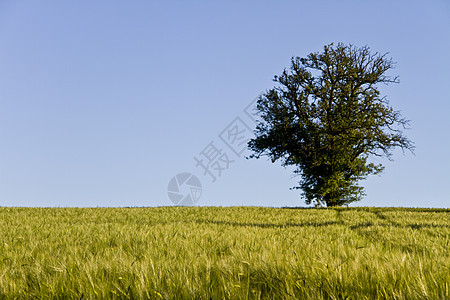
326,116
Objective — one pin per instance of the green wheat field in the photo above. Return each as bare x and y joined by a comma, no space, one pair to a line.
224,253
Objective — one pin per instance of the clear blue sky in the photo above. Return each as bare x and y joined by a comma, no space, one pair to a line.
103,102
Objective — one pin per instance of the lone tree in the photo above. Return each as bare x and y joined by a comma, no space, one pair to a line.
326,116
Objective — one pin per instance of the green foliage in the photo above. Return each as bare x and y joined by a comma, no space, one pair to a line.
224,253
326,117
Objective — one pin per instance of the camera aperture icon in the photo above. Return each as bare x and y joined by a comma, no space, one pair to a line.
184,189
